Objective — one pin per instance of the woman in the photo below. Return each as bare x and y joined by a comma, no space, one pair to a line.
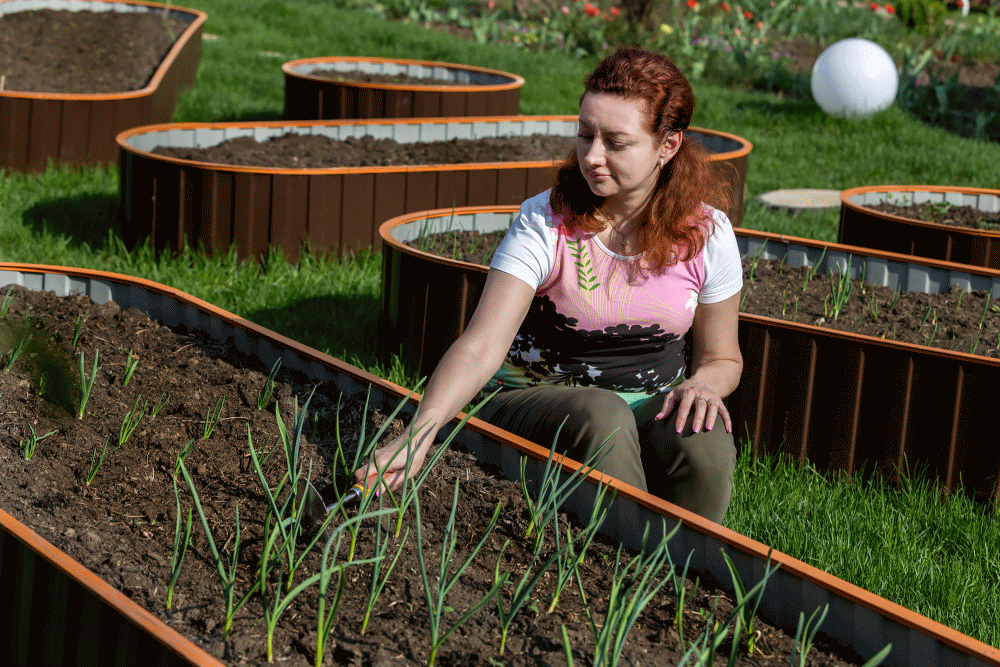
583,318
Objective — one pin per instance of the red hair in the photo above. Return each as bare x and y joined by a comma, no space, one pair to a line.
675,224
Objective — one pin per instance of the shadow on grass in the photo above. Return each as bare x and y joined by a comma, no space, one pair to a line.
84,218
779,106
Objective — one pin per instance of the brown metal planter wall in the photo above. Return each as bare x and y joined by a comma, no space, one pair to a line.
858,620
839,399
80,128
863,226
311,96
731,154
182,202
835,399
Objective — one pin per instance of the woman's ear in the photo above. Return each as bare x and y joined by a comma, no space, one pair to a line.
670,146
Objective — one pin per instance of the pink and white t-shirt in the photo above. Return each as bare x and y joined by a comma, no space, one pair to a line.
589,324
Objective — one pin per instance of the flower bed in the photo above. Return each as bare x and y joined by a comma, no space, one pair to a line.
862,225
176,202
81,128
314,92
858,621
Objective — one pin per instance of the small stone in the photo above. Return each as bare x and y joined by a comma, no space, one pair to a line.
70,533
216,648
801,199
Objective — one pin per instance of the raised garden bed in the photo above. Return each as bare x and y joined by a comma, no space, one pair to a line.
80,127
116,518
858,621
862,223
333,209
334,88
835,398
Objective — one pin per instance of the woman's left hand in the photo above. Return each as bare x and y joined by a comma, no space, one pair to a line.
696,398
715,368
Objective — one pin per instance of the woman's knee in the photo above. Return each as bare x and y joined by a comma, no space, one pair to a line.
575,413
594,416
589,424
601,431
712,454
599,406
695,470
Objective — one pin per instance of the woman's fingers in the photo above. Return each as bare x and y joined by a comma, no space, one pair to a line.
391,465
707,411
702,413
702,405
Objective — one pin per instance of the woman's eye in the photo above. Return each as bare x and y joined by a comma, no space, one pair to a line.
585,137
617,146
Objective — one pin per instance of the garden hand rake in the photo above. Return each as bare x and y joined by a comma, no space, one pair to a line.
317,504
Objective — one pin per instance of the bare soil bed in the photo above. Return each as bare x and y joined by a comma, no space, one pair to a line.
951,320
956,216
61,51
122,525
305,151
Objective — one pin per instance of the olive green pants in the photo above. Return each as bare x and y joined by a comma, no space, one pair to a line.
693,470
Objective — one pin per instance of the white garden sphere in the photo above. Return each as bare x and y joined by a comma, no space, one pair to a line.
853,78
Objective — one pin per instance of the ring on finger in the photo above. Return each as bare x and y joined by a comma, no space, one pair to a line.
700,398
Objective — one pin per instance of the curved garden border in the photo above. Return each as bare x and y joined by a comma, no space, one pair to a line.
864,226
479,91
858,620
81,128
836,399
184,202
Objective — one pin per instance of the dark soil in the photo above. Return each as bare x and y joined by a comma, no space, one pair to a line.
950,320
953,320
303,151
942,214
392,79
61,51
122,525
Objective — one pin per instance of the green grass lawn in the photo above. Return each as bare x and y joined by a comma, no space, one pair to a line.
939,559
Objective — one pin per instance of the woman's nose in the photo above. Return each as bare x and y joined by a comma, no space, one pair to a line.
594,153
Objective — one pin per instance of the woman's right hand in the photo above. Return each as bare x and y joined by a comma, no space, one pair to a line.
469,362
388,467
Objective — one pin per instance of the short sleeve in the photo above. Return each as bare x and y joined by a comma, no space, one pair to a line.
723,265
527,250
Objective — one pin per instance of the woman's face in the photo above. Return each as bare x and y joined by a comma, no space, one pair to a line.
619,155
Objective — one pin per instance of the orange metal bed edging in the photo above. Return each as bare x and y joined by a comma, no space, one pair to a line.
845,200
516,81
123,138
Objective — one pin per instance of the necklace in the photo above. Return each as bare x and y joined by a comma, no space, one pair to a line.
620,243
616,238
